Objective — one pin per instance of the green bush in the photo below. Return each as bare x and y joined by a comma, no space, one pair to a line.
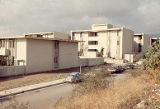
152,57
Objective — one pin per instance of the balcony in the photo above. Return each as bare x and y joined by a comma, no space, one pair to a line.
4,51
92,38
93,46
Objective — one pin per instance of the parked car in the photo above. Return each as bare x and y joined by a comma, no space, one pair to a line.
74,77
114,69
128,66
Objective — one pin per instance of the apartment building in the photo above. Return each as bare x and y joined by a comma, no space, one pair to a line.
141,43
104,40
38,52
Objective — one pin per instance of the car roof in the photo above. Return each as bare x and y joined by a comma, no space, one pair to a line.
74,73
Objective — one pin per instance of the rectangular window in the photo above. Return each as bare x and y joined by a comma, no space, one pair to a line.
117,42
3,43
93,50
11,43
0,43
93,34
56,60
92,42
56,44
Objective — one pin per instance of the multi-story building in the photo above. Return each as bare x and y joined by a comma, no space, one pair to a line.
37,53
141,43
104,40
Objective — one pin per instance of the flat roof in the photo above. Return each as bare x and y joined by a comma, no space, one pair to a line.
39,38
109,29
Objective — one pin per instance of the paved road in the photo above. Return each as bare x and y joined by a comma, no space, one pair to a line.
43,98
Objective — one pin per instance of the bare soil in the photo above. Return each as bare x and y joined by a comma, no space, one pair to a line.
30,79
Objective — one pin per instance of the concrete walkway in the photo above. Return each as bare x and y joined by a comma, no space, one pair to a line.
18,90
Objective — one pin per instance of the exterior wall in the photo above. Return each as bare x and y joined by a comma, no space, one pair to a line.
39,56
21,51
83,45
146,43
61,35
127,41
102,42
144,40
12,70
84,61
136,41
101,26
68,55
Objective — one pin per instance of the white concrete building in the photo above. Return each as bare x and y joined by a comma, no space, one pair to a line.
113,42
38,53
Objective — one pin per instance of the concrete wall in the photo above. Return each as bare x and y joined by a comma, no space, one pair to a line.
12,70
127,41
85,61
146,43
21,50
39,55
82,37
129,57
68,55
101,26
61,35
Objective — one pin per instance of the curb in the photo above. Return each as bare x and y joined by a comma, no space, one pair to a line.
23,89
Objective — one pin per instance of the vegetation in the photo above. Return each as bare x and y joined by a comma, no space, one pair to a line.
14,104
139,91
152,57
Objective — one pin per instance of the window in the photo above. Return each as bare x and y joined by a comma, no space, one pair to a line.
93,34
0,43
11,43
92,42
56,44
56,60
117,42
139,48
92,50
3,43
118,33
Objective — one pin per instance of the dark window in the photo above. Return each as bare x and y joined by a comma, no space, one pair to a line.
139,48
3,43
56,44
92,34
117,42
0,43
94,50
11,43
56,60
92,42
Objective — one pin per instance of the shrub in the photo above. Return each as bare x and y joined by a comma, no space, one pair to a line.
152,57
14,104
93,82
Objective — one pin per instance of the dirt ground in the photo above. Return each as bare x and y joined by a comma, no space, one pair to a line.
24,80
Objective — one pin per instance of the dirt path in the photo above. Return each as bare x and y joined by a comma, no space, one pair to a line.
120,77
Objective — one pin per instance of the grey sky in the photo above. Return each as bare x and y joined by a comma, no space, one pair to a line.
24,16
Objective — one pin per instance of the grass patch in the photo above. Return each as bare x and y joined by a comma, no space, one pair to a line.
134,92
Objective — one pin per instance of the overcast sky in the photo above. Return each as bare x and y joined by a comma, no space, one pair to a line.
28,16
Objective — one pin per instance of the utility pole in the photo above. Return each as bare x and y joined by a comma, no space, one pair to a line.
80,69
